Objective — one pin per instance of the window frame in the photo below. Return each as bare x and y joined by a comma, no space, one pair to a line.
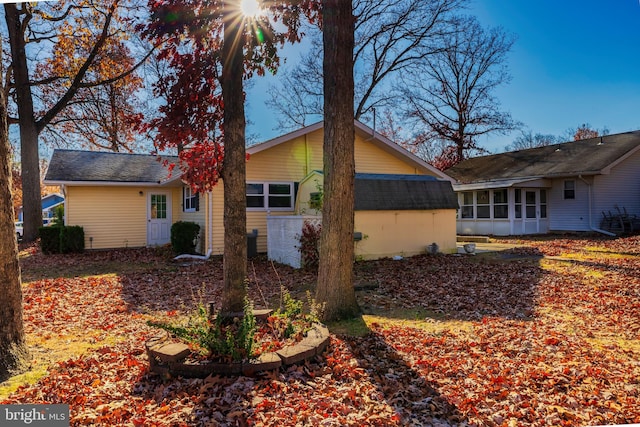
569,193
500,205
465,206
190,200
266,196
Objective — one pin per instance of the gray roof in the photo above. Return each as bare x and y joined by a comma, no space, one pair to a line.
585,157
98,166
402,192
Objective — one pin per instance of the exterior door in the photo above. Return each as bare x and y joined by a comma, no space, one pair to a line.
158,218
535,211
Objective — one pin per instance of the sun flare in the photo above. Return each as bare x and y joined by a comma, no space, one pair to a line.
250,8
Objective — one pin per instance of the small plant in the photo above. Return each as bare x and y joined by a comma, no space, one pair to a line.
309,240
58,219
224,339
290,321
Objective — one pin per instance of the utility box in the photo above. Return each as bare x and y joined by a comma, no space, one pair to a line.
252,244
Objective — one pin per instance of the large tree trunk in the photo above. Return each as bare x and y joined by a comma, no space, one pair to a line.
335,272
30,161
13,350
234,170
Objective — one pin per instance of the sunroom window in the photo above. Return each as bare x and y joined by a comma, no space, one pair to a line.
500,204
467,205
483,205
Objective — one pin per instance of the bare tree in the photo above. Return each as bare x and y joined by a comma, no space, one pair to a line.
335,269
390,36
13,349
450,94
72,36
528,139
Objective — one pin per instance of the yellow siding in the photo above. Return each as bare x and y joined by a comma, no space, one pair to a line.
112,217
292,161
404,233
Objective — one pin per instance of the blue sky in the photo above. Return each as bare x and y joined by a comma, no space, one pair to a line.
574,62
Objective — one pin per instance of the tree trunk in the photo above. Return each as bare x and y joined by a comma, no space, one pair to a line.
30,161
234,169
335,272
13,350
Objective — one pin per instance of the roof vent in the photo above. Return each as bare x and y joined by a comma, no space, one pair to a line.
601,141
557,149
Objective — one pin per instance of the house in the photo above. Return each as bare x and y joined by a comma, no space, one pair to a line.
49,204
130,200
570,187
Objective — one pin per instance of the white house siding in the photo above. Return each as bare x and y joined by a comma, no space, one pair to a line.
572,214
621,187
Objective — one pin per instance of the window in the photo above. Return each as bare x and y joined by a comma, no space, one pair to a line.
484,209
277,195
530,200
518,202
569,189
190,201
543,203
500,204
467,204
158,206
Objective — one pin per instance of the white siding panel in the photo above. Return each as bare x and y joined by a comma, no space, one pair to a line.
621,187
572,214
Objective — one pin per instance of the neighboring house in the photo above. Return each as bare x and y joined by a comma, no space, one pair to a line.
129,200
563,187
49,204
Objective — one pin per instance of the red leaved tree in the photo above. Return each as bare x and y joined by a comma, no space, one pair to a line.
211,47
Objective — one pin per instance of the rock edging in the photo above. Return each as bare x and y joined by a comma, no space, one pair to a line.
167,357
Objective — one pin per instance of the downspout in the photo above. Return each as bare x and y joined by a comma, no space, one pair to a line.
591,227
63,188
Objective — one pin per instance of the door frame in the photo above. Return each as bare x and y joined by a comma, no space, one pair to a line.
168,219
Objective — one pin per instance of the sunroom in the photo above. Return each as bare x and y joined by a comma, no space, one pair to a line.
502,208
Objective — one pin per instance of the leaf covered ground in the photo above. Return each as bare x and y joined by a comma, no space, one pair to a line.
547,333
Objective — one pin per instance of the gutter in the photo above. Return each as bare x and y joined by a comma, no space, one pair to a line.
591,227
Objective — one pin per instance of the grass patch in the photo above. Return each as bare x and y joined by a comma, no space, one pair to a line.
46,351
356,327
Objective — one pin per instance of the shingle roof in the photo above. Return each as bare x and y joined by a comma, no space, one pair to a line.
95,166
584,157
402,192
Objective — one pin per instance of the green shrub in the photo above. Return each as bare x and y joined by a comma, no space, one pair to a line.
183,237
49,240
225,339
58,218
65,239
71,239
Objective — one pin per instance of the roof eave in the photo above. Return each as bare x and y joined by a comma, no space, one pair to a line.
103,183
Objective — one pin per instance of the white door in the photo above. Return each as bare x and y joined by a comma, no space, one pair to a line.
535,211
158,218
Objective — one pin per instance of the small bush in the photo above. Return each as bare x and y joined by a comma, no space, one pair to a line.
65,239
183,237
309,240
49,240
71,239
225,339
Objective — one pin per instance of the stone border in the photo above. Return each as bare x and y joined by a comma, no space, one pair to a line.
167,357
